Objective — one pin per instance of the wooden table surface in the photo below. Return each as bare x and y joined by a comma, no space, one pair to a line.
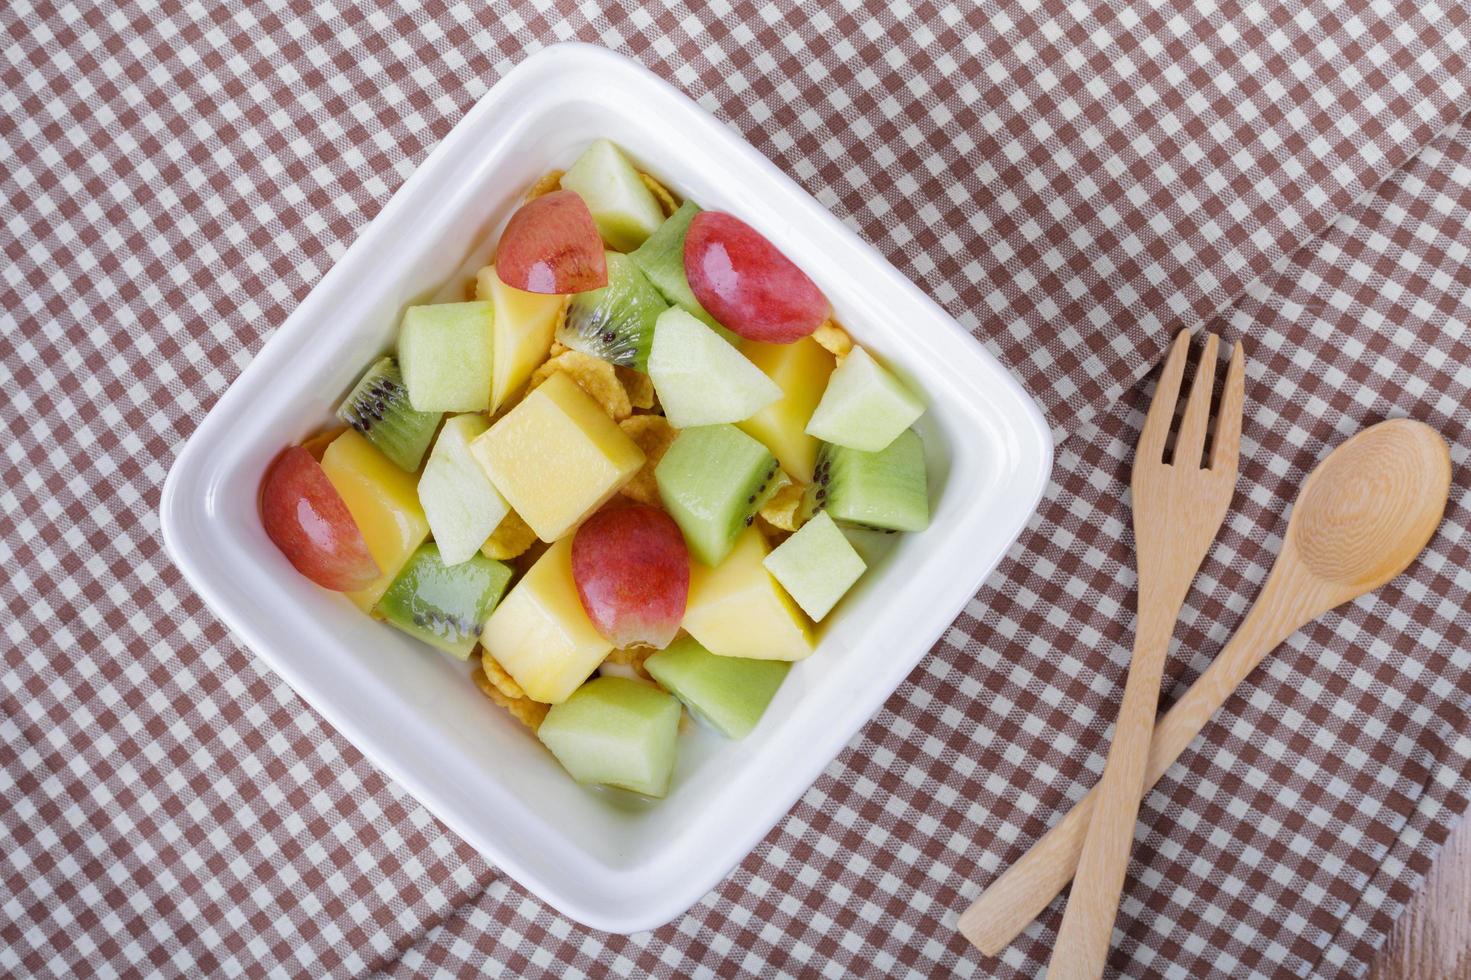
1433,937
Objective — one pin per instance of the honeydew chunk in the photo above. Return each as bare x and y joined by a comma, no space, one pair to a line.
462,505
557,457
738,610
701,379
540,633
801,370
384,501
816,566
524,326
616,732
624,209
728,694
444,353
864,407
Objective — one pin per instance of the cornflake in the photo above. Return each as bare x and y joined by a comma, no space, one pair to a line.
511,537
633,657
654,435
640,386
528,712
661,194
784,509
592,375
833,339
550,181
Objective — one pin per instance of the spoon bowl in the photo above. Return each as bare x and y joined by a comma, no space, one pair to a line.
1369,509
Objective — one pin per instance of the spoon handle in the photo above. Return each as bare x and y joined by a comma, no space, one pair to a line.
1288,601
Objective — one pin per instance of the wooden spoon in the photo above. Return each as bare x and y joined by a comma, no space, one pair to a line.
1363,516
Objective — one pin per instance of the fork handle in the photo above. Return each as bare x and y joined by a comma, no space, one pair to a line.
1087,923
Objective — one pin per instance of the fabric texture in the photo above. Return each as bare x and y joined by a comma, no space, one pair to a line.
1074,182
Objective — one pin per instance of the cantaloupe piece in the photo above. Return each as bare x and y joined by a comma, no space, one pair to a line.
524,326
738,610
557,457
540,633
801,370
384,501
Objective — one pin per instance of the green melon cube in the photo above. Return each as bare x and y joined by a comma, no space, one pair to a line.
616,732
624,210
816,565
461,504
701,379
444,353
864,407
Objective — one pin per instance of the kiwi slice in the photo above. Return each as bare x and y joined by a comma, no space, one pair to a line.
727,694
615,323
712,481
444,605
378,407
661,260
885,489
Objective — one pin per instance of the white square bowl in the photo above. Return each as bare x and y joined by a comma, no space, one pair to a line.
602,858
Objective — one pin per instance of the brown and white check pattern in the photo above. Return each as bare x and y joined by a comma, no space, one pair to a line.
1075,181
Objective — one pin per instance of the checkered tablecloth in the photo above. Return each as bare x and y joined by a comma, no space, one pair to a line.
1074,181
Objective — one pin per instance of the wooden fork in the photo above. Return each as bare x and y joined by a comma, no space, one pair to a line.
1178,508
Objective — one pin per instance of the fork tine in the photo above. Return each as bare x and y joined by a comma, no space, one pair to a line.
1162,409
1191,443
1226,450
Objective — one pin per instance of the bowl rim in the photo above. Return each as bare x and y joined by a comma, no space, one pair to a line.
187,485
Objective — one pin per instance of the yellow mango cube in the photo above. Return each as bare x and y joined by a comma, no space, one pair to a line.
523,327
801,371
384,500
736,609
557,457
540,634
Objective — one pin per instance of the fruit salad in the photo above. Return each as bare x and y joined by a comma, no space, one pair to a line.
623,480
